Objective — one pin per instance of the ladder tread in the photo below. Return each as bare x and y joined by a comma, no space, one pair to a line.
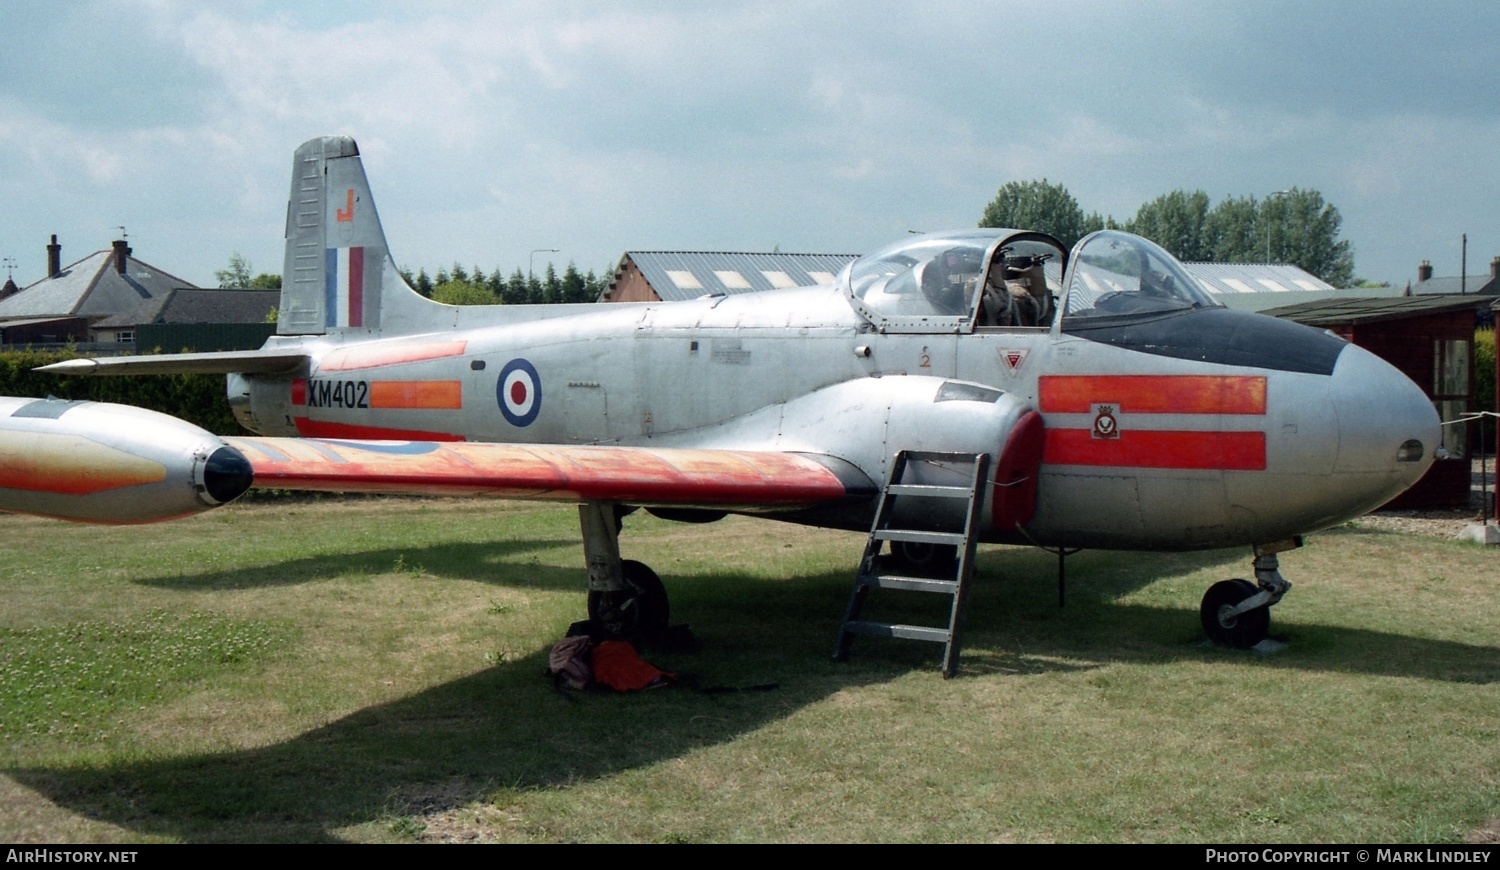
891,629
929,490
912,584
920,536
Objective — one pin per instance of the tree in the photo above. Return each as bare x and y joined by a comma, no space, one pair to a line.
1293,226
574,287
265,281
515,292
238,273
1299,227
1177,221
454,292
1036,205
1230,231
551,286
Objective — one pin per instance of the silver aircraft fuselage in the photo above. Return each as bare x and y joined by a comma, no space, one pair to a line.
801,371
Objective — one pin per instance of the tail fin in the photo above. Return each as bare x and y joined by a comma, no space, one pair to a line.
338,274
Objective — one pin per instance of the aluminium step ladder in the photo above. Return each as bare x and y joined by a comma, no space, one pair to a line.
871,574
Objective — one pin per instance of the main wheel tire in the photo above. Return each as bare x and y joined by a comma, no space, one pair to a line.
1241,630
923,560
638,612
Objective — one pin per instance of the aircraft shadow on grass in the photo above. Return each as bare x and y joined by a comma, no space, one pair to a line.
506,728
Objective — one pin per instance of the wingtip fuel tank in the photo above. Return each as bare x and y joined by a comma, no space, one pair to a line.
103,463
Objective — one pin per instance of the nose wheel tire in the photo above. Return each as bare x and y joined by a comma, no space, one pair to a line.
638,612
1225,628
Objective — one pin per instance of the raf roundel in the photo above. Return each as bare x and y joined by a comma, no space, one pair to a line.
519,392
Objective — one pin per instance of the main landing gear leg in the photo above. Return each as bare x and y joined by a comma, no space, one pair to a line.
625,597
1236,613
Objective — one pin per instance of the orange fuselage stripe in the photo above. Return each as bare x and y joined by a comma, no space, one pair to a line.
442,395
1154,394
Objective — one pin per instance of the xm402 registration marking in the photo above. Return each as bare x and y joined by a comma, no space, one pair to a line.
337,394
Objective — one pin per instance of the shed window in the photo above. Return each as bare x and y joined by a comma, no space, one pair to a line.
1450,391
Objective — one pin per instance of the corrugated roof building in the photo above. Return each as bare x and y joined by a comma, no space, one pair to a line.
672,276
1232,278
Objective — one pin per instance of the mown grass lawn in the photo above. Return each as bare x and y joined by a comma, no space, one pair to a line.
370,670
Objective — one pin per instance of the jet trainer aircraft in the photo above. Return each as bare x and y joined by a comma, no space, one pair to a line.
1113,403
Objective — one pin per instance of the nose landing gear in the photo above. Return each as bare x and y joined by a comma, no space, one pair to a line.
1236,613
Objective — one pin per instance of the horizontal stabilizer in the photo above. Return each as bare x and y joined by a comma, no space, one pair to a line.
250,362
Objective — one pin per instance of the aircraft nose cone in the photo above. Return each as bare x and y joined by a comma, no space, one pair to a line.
1389,431
226,475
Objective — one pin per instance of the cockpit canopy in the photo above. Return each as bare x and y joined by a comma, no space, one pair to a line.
950,282
1116,274
957,281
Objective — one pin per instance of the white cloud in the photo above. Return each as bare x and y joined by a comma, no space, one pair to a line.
491,129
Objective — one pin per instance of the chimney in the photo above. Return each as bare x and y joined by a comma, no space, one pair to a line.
1495,268
54,258
122,255
1424,271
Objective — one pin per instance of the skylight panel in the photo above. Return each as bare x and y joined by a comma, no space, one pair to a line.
732,279
1237,285
1272,285
684,280
779,280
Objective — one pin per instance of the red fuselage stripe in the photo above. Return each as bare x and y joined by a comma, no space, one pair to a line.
1154,394
1229,451
323,429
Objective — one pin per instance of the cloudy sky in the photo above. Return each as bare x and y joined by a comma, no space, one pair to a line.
491,129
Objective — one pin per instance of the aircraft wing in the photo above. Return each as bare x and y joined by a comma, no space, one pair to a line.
676,477
267,362
104,463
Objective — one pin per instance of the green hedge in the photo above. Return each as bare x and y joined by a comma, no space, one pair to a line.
199,399
1484,370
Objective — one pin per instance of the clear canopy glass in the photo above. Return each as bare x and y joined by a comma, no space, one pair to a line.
958,279
1115,274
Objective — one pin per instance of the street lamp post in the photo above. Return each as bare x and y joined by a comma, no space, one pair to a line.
531,262
1269,197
